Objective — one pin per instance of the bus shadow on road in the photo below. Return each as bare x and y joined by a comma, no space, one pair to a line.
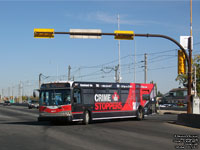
61,123
31,123
115,120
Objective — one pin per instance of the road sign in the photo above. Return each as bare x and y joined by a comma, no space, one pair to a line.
85,33
43,33
184,41
124,35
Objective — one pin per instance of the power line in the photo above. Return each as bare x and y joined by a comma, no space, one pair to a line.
162,60
166,51
163,68
162,56
126,56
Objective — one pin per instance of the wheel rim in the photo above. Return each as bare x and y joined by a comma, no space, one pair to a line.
140,115
87,118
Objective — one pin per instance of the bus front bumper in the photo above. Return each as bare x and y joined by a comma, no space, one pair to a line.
64,116
53,118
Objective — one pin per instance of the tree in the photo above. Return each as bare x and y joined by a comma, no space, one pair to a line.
159,94
183,78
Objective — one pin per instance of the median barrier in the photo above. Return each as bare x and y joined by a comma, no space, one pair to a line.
191,120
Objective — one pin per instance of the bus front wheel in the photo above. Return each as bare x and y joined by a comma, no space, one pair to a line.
86,119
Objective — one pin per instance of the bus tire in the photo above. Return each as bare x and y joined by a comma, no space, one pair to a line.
140,114
86,119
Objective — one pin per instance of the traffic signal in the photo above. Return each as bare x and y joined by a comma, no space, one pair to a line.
124,35
43,33
181,62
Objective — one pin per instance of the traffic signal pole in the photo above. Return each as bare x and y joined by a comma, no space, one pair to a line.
129,36
189,62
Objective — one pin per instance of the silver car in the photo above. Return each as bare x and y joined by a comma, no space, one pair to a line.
33,104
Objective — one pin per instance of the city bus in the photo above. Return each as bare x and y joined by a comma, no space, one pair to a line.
89,101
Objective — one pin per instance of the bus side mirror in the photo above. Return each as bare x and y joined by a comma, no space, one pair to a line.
146,97
34,94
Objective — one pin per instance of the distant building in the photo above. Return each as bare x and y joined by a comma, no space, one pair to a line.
175,96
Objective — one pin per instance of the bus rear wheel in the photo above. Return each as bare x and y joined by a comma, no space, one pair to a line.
140,114
86,119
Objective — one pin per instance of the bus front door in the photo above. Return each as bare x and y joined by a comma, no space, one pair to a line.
77,105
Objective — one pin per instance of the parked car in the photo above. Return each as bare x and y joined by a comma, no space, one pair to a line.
33,104
6,103
162,105
166,105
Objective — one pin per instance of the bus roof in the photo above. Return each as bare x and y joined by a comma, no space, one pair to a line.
83,84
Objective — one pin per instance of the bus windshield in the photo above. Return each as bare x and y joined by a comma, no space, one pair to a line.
55,97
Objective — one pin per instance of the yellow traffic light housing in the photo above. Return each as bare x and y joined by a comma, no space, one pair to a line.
181,62
124,35
43,33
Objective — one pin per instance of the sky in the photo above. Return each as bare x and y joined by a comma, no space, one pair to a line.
24,57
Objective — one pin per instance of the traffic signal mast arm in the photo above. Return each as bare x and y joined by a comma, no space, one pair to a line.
123,34
129,36
189,62
169,38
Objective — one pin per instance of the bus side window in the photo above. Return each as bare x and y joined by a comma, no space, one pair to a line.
77,96
146,97
124,95
88,95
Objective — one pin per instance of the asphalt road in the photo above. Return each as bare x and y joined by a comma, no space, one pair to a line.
19,130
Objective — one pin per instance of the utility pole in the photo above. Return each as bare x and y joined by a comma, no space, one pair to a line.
13,93
57,71
134,62
145,68
116,76
194,82
191,18
2,94
40,75
69,73
189,102
119,66
20,92
9,92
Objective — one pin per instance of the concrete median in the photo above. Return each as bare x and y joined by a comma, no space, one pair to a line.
190,120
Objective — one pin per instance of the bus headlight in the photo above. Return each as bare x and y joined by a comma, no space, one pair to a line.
67,113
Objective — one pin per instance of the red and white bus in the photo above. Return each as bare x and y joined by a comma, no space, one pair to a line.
88,101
